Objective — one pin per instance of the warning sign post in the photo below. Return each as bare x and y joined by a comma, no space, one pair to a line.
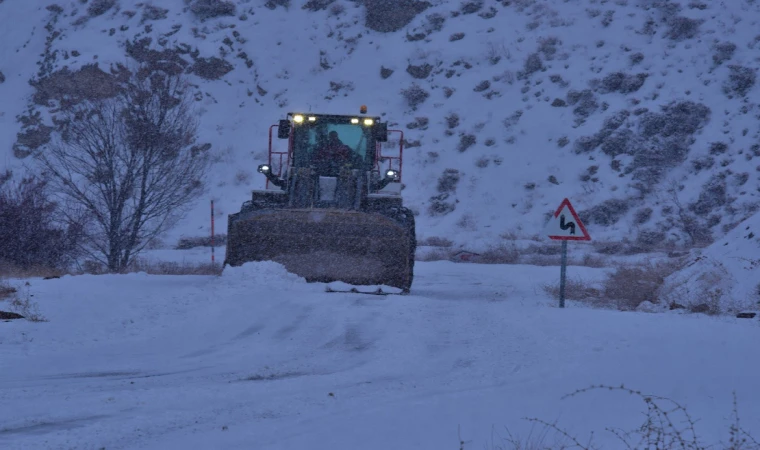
565,225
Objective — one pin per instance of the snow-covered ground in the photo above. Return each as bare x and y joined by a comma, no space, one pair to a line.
259,359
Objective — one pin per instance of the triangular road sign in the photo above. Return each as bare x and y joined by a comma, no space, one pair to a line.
565,225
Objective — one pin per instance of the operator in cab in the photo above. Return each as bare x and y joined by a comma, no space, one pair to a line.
333,155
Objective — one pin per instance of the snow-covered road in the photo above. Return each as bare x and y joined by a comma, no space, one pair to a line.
257,359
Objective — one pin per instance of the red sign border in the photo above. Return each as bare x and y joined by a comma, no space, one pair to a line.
585,237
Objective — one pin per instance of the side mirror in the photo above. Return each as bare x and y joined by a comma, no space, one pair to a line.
283,130
380,132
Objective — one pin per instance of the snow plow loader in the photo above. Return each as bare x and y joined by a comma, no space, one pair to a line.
332,208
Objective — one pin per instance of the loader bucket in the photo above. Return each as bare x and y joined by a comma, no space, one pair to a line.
323,245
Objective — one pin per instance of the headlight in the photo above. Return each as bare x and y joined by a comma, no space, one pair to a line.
312,119
264,168
392,174
298,118
368,122
354,121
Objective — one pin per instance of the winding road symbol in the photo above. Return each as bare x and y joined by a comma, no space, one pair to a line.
564,226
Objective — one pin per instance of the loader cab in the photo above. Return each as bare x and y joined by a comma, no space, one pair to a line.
364,142
315,136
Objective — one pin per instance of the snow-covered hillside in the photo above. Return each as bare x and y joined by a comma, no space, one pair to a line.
643,112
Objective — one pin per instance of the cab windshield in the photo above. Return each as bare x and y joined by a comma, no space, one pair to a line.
330,138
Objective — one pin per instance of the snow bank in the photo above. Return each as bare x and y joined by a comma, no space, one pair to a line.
724,277
261,274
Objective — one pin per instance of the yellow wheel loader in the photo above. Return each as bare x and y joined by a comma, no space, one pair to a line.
332,207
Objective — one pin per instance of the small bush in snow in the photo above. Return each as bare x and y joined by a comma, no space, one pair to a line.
585,144
609,212
713,195
415,95
419,72
452,120
22,303
317,5
448,181
151,12
482,162
585,103
208,9
435,22
466,141
642,216
676,119
532,64
500,254
471,7
100,7
392,15
717,148
212,68
548,47
636,58
6,290
740,80
439,206
623,83
482,86
681,28
723,52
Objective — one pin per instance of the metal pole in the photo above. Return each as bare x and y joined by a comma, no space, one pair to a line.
212,232
563,270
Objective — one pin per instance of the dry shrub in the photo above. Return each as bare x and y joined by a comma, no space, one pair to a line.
575,289
631,285
666,425
501,254
6,290
175,268
587,260
23,304
436,241
594,261
439,254
11,270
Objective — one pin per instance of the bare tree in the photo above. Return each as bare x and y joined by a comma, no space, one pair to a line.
127,164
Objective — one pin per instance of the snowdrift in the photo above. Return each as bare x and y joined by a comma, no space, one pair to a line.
724,277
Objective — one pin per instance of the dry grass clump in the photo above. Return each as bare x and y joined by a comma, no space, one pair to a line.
22,302
631,285
11,270
503,253
175,268
575,289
